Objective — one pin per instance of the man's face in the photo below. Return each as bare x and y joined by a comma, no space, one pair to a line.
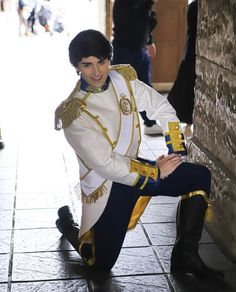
94,71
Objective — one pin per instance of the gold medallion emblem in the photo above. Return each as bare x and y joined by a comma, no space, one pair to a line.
125,105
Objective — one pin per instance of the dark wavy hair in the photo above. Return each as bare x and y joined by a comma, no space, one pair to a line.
89,43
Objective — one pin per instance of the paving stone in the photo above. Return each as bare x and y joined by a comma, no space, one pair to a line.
7,186
148,283
164,200
5,219
6,201
147,154
7,173
159,213
157,152
136,261
79,285
135,238
144,146
155,144
210,254
8,157
42,200
160,233
3,287
42,218
188,283
47,266
4,261
35,240
5,241
32,181
206,238
164,253
214,257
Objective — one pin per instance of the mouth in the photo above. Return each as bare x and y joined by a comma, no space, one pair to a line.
96,78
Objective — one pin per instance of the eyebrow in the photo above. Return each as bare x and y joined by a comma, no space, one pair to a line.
86,63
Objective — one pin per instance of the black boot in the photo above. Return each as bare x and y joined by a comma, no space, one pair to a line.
190,220
67,226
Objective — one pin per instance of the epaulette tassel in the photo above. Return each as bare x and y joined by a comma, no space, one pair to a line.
67,112
95,195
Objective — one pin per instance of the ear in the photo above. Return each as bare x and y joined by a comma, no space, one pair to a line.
77,70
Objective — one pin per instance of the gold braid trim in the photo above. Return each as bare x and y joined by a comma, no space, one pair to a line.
126,71
99,192
208,215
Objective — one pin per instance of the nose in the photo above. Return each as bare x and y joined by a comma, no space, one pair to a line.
96,70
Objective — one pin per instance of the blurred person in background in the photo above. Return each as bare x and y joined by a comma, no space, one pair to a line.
182,94
27,16
134,21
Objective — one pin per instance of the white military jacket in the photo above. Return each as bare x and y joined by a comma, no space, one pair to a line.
93,124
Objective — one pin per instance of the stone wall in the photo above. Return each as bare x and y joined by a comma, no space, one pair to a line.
214,141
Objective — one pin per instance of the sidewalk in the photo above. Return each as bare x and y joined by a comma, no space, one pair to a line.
38,172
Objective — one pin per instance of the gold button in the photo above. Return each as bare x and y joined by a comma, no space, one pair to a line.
144,173
152,174
114,144
180,136
177,127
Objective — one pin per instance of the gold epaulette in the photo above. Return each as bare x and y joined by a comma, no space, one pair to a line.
125,70
67,112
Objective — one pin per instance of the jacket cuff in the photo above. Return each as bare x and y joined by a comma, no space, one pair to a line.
175,139
146,185
149,174
144,169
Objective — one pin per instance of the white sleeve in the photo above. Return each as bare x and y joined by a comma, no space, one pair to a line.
156,105
93,148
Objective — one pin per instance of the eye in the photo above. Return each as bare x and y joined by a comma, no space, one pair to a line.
86,65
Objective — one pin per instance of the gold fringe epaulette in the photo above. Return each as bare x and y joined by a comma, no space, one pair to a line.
67,112
125,70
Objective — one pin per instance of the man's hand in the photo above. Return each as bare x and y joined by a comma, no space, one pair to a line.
167,164
151,50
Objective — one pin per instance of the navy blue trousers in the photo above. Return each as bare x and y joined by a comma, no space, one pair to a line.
110,230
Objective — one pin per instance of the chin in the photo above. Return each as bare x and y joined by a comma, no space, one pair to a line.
98,84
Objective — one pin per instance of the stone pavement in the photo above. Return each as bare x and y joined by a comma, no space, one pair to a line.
38,172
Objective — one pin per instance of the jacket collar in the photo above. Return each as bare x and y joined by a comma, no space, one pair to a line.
89,88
